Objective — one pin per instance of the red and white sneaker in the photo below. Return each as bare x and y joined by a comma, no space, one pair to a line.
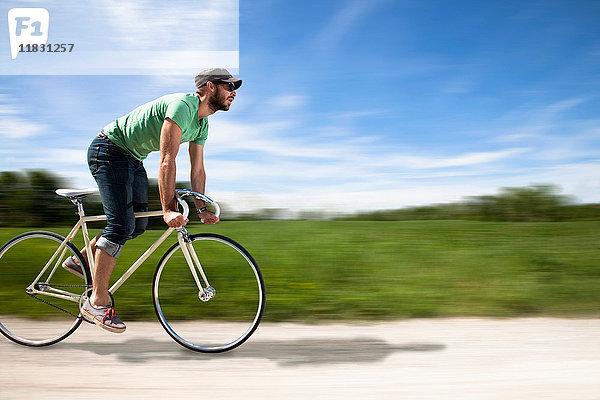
103,316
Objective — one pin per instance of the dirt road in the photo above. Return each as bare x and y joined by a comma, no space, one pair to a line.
462,359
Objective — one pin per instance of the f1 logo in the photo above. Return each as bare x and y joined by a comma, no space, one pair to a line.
27,26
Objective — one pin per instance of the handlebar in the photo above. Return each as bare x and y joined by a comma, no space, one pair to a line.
180,193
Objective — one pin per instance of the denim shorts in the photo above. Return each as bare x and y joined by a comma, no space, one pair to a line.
123,186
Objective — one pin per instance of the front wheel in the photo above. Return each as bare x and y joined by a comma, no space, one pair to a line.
214,319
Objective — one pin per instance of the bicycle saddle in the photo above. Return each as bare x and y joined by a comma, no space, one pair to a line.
76,193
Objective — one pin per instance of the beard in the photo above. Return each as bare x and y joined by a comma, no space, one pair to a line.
218,103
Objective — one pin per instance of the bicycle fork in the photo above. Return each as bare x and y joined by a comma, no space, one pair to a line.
185,242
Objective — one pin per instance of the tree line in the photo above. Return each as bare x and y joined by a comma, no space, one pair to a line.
534,203
28,198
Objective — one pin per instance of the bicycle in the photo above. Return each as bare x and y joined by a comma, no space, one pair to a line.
201,315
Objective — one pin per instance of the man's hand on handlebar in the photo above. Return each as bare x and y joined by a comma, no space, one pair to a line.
208,217
174,219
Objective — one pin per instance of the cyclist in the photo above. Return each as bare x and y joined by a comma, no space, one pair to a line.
115,159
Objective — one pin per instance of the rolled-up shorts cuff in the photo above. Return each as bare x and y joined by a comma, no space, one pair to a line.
113,249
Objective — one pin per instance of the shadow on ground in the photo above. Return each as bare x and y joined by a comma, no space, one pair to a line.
285,353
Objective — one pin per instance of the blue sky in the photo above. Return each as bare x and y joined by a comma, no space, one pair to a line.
352,105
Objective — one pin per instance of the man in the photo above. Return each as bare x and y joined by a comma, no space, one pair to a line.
115,159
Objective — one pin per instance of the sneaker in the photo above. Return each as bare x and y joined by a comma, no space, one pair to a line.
73,267
103,316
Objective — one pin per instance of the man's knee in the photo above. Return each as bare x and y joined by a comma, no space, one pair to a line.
140,224
139,228
112,248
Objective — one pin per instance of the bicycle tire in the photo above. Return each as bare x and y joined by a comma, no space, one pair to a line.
225,321
33,321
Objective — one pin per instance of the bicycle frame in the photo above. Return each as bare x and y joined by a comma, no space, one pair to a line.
182,237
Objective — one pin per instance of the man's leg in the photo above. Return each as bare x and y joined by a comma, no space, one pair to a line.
105,263
92,246
98,307
72,265
113,171
140,197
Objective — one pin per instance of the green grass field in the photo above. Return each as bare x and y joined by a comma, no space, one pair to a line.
347,270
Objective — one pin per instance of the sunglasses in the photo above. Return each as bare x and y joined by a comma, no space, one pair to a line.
230,86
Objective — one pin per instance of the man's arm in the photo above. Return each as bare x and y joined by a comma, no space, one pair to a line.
170,139
197,173
198,179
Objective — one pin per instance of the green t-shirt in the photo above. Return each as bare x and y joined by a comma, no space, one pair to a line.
139,131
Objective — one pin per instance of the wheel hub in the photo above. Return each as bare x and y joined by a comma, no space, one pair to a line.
207,293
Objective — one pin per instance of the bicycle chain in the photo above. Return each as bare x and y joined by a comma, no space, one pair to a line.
57,307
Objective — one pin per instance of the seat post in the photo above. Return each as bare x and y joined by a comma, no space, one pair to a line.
79,205
86,236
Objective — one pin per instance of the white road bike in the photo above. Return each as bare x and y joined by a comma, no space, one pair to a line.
208,292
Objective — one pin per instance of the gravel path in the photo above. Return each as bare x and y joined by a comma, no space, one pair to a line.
462,359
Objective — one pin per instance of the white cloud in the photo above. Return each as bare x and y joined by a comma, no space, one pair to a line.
206,25
14,127
535,116
270,138
35,155
458,86
360,114
287,101
12,123
564,105
341,23
469,159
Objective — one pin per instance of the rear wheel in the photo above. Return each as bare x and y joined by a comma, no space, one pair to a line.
221,317
43,311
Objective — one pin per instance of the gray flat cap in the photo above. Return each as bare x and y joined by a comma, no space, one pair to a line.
216,75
